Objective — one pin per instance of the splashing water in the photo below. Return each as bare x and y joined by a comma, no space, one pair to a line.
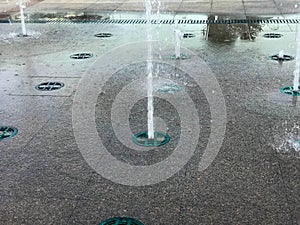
289,143
149,70
15,37
178,36
22,7
297,65
281,54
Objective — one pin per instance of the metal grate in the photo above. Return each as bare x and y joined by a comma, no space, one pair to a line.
188,35
285,58
49,86
103,35
121,221
165,21
81,56
273,35
7,132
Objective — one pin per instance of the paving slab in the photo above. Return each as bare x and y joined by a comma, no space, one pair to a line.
253,7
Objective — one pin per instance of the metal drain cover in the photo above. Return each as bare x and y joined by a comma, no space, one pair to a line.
143,140
182,57
22,35
285,58
188,35
121,221
273,35
103,35
169,88
49,86
289,90
81,56
7,132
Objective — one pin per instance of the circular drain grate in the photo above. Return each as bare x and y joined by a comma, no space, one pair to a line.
289,90
103,35
159,139
49,86
169,88
182,57
22,35
7,132
272,35
81,56
121,221
285,58
188,35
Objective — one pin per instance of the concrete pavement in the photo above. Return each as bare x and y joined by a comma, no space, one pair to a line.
244,7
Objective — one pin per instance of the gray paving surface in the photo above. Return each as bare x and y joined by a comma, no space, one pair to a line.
44,177
246,7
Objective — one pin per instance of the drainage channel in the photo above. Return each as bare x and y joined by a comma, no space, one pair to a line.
142,21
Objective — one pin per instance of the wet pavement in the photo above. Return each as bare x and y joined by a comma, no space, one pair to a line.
53,173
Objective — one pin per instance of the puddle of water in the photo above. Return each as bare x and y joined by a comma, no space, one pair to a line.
14,36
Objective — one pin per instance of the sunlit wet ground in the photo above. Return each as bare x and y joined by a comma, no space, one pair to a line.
44,178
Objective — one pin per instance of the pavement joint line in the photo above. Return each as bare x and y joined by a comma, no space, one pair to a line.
55,77
80,198
42,95
121,5
43,126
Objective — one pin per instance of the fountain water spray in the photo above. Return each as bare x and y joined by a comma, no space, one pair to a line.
294,90
150,138
281,55
297,66
289,142
22,7
149,70
178,36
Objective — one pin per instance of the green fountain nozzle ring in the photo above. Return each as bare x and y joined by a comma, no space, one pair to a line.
158,140
169,88
121,221
182,57
7,132
289,90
